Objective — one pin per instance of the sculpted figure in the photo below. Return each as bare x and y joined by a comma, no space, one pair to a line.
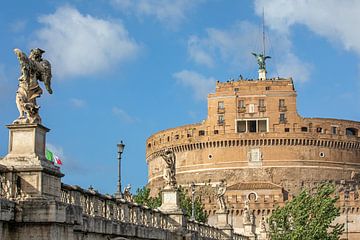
220,195
33,69
127,194
261,60
170,170
246,214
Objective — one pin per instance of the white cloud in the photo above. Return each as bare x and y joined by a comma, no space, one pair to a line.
78,103
332,19
79,44
170,13
198,53
123,115
198,83
234,45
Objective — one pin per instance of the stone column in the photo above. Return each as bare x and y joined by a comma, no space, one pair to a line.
37,177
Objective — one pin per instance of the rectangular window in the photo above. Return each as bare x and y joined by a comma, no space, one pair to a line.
216,131
261,102
281,102
251,126
334,130
201,133
304,129
287,129
241,103
241,126
221,105
262,125
282,118
221,119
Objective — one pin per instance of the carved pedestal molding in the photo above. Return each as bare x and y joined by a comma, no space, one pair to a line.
37,177
171,206
223,223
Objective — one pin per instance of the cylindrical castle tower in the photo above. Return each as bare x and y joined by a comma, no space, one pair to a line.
253,134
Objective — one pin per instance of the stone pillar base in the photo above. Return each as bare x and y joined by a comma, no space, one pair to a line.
171,206
249,231
223,224
36,177
262,74
170,201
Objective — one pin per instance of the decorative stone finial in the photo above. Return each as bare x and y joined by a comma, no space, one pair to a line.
33,69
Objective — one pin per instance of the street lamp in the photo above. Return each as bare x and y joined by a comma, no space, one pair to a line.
192,201
120,147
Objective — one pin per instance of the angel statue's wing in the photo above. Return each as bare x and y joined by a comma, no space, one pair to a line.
46,75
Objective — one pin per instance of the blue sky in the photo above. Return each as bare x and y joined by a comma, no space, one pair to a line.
125,69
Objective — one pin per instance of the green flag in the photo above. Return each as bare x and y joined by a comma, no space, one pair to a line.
49,155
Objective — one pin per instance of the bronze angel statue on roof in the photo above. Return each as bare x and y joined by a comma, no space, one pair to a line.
33,69
261,58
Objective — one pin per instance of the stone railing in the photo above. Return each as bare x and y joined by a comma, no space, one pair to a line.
108,207
8,187
205,231
237,236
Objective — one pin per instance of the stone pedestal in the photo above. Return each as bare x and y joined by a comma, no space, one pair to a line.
36,176
171,206
249,230
223,223
170,201
262,74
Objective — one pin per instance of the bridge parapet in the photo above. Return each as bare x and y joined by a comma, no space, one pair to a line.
108,207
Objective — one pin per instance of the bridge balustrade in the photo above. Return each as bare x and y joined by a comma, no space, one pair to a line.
98,205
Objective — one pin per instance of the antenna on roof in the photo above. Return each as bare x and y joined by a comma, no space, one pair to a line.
261,57
263,31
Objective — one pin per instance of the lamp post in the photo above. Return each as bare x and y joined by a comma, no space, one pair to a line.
120,148
192,201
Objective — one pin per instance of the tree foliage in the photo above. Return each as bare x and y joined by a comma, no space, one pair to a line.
143,197
307,217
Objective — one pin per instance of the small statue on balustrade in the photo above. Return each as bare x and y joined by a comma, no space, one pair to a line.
246,214
220,195
127,194
170,170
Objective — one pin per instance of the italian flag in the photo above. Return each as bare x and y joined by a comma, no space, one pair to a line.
52,157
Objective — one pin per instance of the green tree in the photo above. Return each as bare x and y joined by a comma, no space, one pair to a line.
143,197
307,217
186,205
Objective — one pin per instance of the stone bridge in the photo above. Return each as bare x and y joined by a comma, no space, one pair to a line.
34,204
